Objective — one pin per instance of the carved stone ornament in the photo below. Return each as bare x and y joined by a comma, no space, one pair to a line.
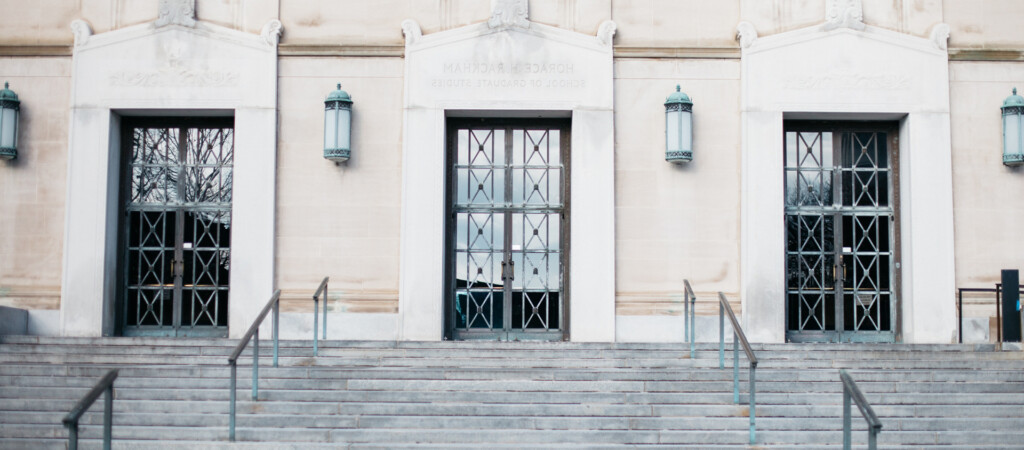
176,12
271,32
606,32
82,32
746,34
412,31
844,14
940,36
509,13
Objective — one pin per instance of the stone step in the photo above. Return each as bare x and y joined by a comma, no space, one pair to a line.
14,384
173,393
208,342
59,408
443,422
671,398
454,363
30,372
344,350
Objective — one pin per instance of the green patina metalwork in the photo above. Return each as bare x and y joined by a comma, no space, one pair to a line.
1013,122
10,108
338,125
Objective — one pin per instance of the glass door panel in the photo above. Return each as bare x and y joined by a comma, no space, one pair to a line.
506,257
840,225
175,264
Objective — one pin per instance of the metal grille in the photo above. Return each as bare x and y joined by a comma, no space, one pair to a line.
176,230
840,224
508,209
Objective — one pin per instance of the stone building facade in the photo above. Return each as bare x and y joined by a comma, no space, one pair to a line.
846,177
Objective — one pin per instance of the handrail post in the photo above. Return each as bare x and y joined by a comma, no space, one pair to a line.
847,419
320,290
960,314
686,316
256,364
689,317
316,326
73,436
231,420
277,320
735,368
753,386
721,336
325,308
108,416
999,312
693,323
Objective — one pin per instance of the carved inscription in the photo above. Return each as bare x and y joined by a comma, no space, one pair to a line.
848,81
510,75
173,77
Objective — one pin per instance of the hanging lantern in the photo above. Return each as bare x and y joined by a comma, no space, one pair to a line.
1013,123
338,125
678,127
10,107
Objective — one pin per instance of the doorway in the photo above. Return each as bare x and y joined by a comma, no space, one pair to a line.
842,232
175,231
507,229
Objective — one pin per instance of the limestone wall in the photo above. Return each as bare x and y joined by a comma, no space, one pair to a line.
32,187
987,200
340,220
672,221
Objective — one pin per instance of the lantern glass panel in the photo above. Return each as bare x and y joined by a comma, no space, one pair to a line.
344,126
672,131
686,130
1011,134
330,128
8,130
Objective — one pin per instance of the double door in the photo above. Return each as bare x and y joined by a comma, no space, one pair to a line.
507,229
176,227
842,259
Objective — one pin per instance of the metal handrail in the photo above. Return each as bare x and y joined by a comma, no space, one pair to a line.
738,338
850,390
316,309
104,386
999,308
254,332
689,315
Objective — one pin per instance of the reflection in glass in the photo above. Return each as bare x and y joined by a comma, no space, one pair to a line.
507,213
838,255
177,227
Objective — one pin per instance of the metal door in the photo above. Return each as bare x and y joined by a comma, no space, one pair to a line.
507,226
176,227
841,229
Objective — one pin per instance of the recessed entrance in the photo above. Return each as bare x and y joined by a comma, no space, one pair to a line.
507,229
176,227
842,262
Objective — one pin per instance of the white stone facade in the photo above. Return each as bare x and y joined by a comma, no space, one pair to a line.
639,225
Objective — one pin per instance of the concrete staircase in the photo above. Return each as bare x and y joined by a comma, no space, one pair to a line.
173,393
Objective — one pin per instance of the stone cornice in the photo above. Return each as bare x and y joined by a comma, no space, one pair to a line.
398,50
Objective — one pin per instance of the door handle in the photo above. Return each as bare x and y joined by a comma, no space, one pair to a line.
512,270
178,267
503,271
